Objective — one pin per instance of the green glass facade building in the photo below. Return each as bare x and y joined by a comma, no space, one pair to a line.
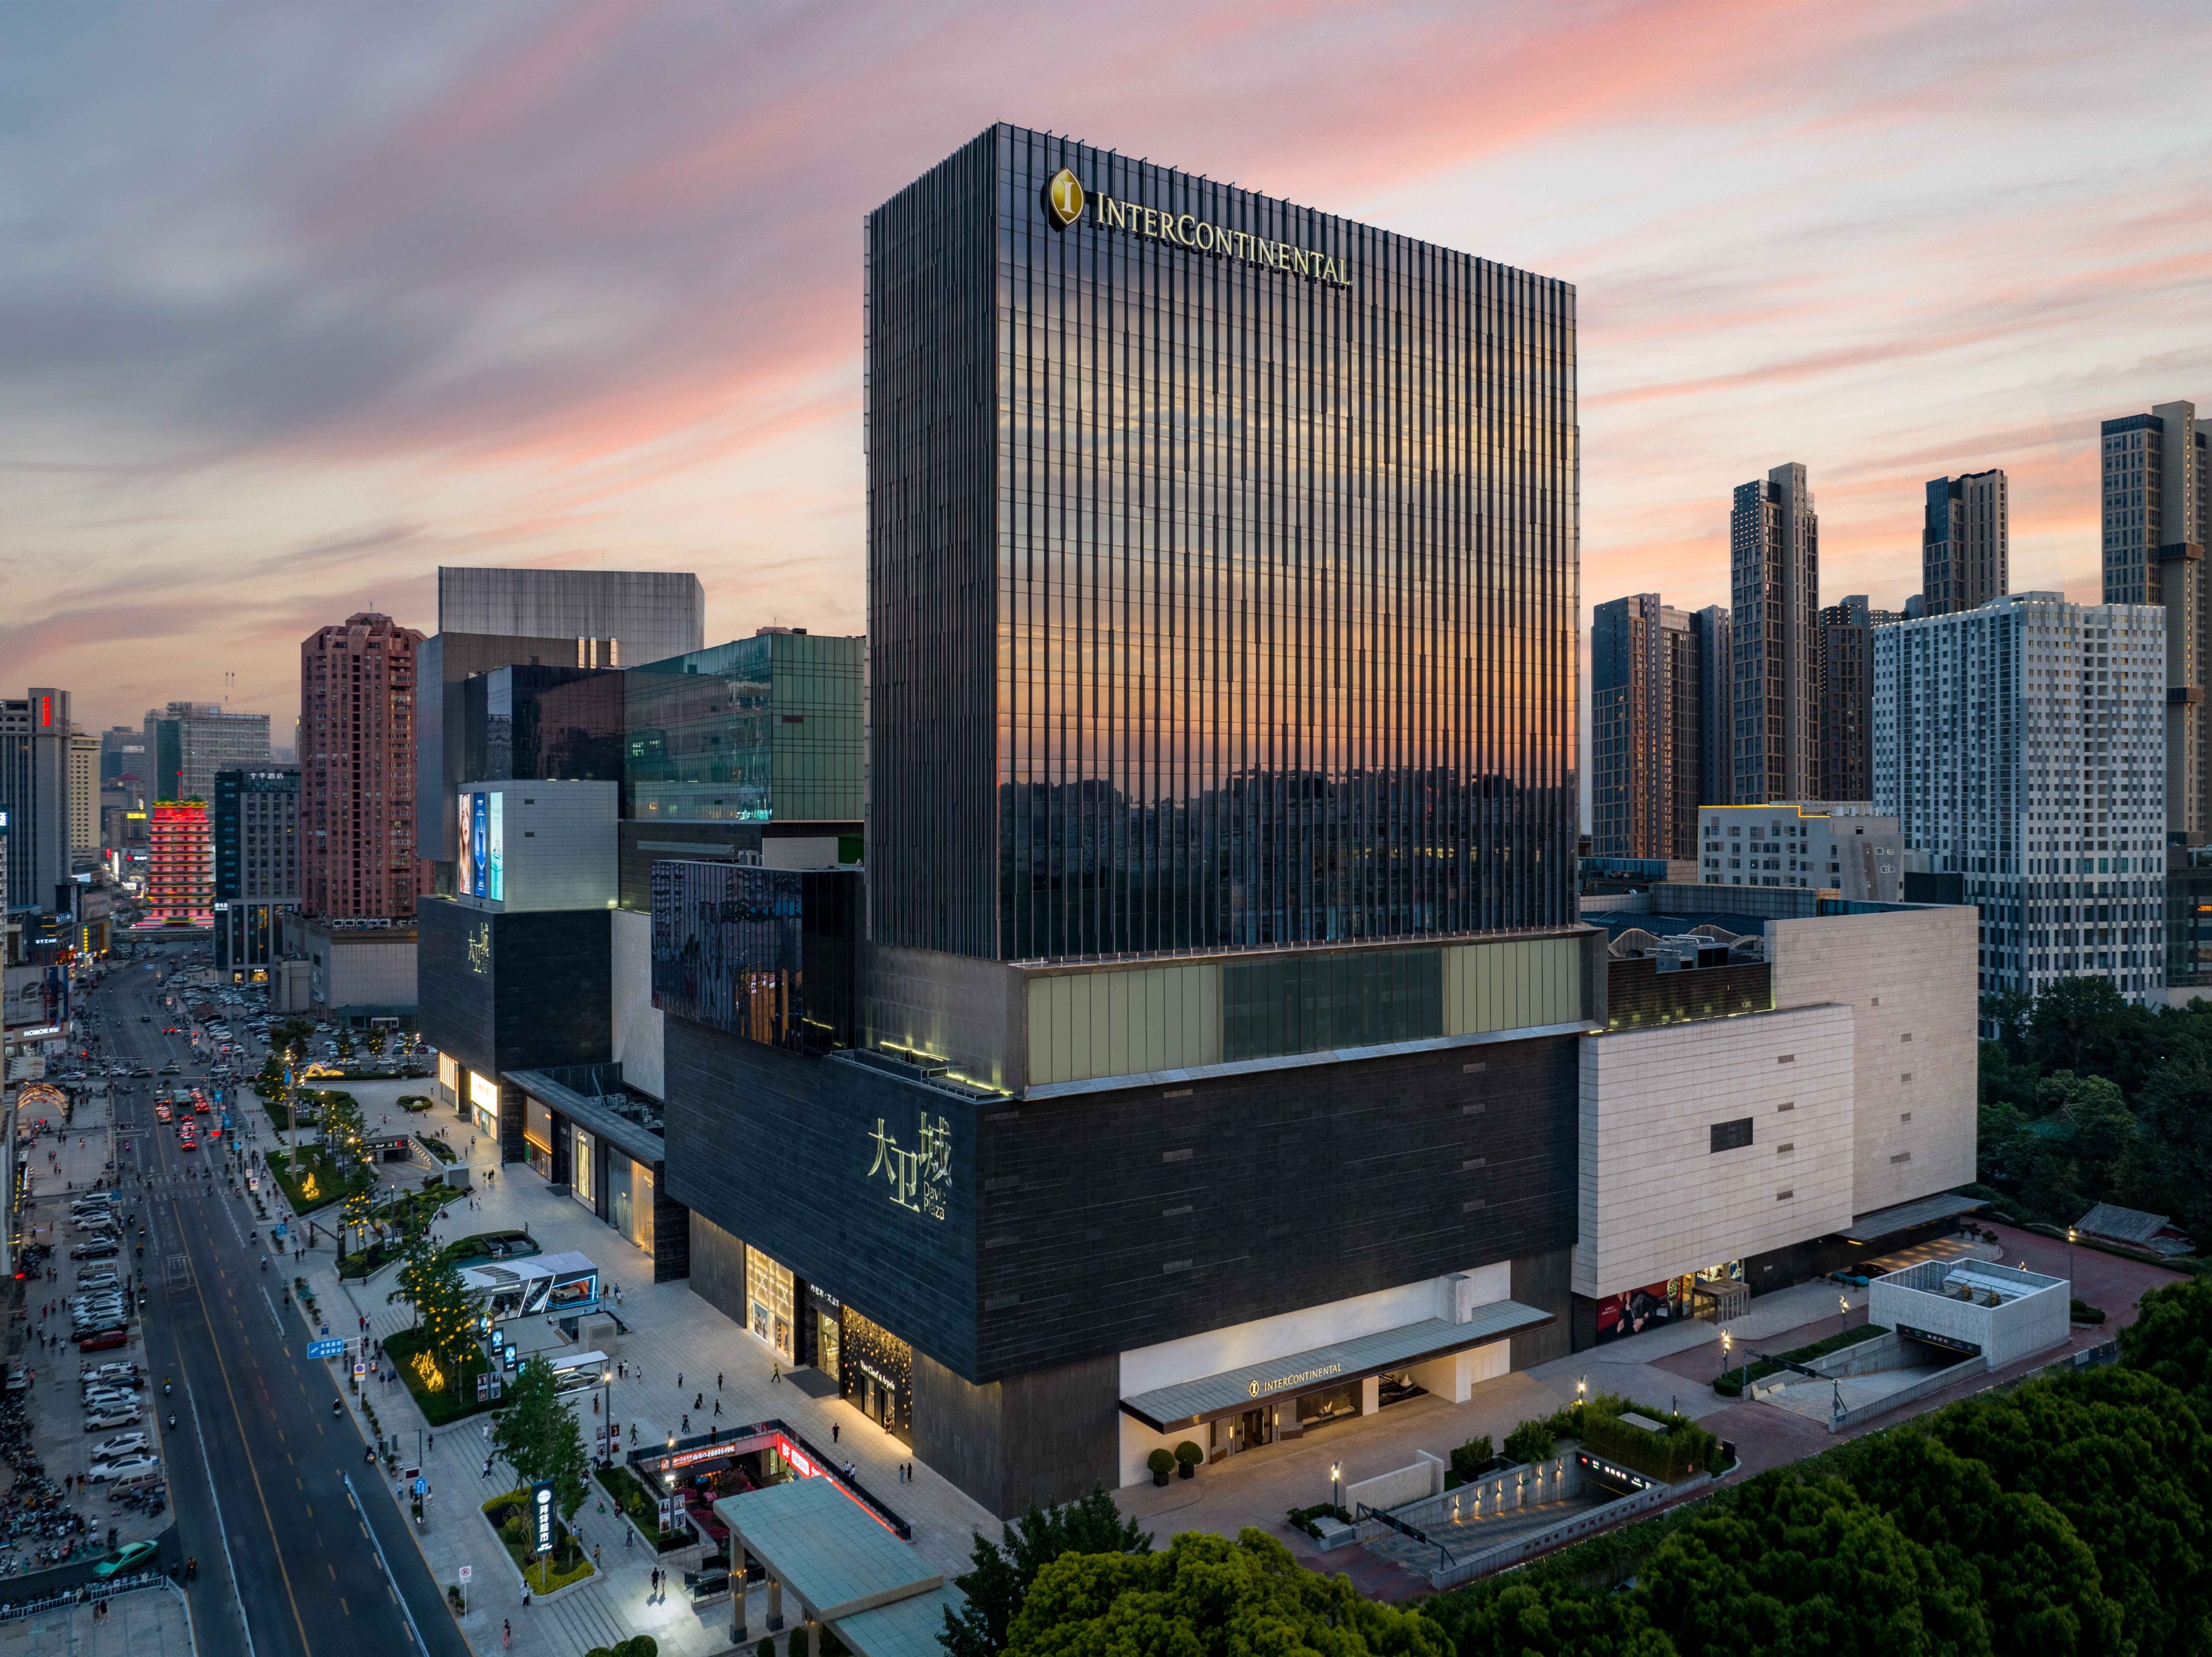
763,729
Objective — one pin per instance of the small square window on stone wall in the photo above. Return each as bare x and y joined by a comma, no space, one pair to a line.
1731,1136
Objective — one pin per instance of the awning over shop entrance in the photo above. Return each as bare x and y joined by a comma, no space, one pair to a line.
1319,1369
1926,1211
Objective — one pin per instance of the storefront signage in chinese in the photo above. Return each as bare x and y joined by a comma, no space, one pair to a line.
917,1177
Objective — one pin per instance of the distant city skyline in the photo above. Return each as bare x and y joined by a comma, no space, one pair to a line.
575,286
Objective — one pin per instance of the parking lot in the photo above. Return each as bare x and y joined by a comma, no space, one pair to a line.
66,1167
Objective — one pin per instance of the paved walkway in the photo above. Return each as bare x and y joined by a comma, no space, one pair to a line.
670,1335
151,1622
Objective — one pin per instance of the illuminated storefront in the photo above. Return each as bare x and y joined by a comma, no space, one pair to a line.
1711,1291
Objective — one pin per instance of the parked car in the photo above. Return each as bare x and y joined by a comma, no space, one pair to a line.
112,1374
105,1249
126,1559
122,1444
122,1467
107,1419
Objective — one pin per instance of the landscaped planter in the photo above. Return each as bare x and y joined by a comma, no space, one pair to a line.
571,1563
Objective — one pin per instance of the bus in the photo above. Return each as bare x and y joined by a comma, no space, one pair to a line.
582,1371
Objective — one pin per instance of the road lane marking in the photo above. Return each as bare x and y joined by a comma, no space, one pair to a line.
344,1607
253,1472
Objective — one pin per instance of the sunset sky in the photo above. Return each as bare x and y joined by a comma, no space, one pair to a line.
298,302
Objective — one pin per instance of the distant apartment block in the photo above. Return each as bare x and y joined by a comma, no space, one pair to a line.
1650,682
188,742
1965,543
1846,668
1840,846
2021,748
2156,523
357,770
1775,585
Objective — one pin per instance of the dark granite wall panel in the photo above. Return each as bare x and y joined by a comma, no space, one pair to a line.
780,1148
717,1269
1044,1437
1113,1221
1081,1227
1546,1282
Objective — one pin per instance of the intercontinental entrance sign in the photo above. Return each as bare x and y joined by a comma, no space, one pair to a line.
1066,200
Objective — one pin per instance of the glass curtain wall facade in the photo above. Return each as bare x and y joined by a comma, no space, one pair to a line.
1223,582
768,729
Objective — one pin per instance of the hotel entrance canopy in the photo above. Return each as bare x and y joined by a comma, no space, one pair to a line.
1320,1368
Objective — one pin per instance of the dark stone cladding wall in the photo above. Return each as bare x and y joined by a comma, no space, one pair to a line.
717,1269
1043,1437
545,999
774,1148
1085,1226
454,1000
1117,1220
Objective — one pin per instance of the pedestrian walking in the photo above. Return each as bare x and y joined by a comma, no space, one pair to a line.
506,1632
718,1407
775,1373
699,1401
687,1421
718,1380
833,1432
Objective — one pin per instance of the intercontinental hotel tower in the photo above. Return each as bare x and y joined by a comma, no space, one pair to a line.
1211,1067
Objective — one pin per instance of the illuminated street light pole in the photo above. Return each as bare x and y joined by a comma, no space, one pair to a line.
2069,1262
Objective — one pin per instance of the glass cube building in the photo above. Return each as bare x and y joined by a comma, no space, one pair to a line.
766,729
1223,584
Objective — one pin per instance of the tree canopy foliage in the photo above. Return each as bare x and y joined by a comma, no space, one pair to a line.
2067,1516
1206,1596
999,1579
2087,1098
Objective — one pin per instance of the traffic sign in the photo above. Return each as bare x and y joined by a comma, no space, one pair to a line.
421,1487
467,1571
331,1349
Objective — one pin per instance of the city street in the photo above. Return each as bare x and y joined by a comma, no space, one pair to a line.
258,1465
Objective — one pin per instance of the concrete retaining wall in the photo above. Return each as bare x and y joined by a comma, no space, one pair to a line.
1386,1491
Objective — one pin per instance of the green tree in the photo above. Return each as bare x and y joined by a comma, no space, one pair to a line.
2171,1339
1206,1596
2119,1456
419,1261
539,1436
1537,1616
1801,1563
2177,1119
999,1578
446,1308
2086,1025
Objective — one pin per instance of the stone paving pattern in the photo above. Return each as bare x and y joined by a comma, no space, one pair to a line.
669,1332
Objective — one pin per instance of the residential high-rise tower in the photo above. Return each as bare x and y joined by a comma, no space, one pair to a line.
1774,560
2021,746
35,792
1650,682
357,770
1965,542
188,742
2156,523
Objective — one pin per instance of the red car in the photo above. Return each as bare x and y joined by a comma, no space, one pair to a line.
113,1338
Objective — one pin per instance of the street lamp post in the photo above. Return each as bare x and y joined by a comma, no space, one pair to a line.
1842,1312
1336,1486
2070,1261
1728,1344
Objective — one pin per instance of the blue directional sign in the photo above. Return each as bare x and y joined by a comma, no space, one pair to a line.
330,1348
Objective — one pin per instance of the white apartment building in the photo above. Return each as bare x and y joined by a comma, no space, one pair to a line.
2022,746
1843,846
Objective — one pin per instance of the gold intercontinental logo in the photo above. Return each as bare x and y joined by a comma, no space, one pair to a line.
1296,1378
1064,199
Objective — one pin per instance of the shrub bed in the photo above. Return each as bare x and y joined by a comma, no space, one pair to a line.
510,1522
457,1397
1302,1518
466,1251
435,1144
1682,1449
1739,1376
637,1505
315,1169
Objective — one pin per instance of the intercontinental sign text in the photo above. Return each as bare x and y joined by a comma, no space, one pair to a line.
1187,230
